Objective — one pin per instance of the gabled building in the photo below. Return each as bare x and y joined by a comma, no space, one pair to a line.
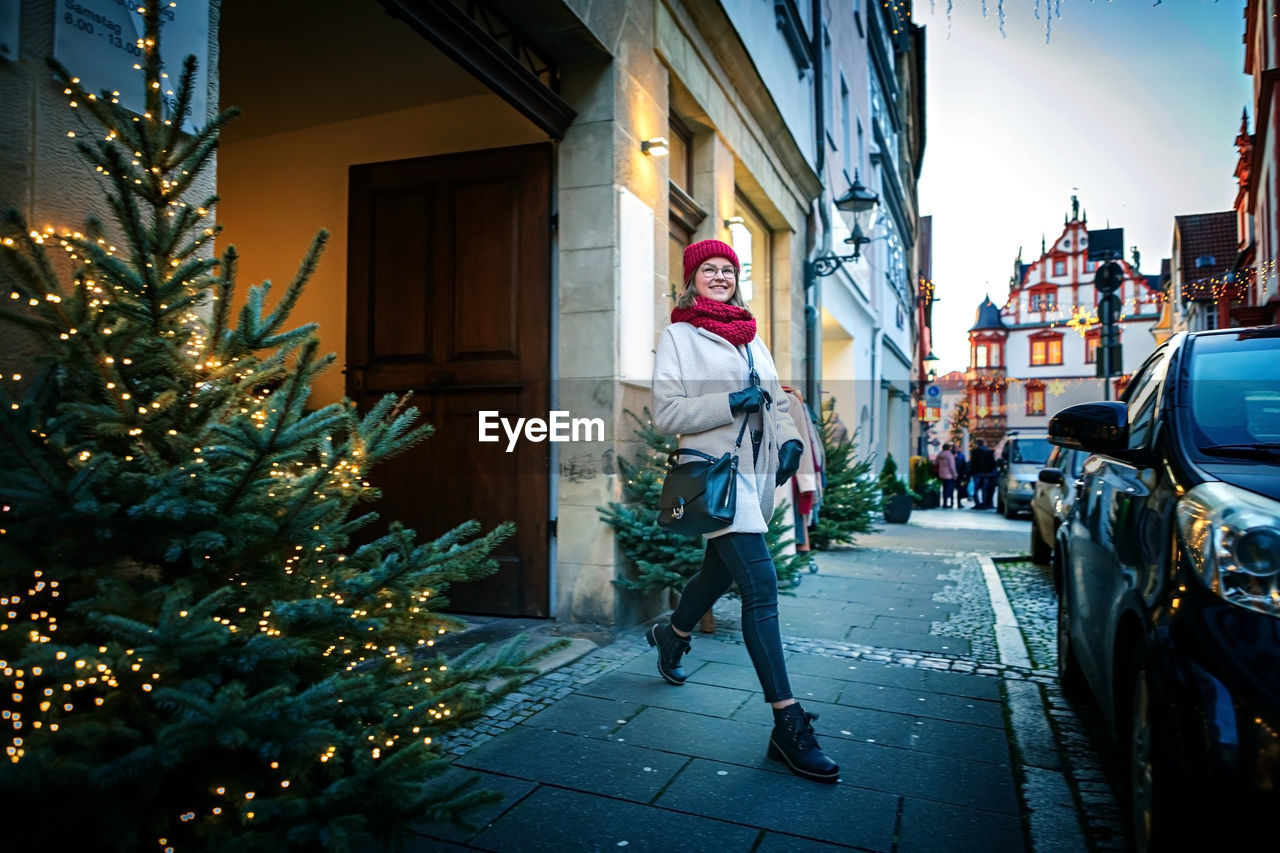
1202,283
1039,352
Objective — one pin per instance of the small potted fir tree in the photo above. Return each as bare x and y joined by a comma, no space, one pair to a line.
898,499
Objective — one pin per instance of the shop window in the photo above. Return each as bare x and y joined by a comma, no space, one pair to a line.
1035,398
752,240
1046,350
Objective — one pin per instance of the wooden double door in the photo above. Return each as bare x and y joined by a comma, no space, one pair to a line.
448,296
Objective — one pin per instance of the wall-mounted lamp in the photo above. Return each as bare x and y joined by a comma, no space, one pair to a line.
734,220
658,146
861,202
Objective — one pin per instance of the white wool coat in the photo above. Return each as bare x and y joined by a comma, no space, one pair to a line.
694,372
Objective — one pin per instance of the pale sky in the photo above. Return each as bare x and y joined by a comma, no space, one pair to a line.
1133,105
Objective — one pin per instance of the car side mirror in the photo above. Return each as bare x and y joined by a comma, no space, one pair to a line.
1093,427
1096,428
1052,476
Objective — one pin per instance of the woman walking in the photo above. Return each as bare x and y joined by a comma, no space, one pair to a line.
711,371
946,462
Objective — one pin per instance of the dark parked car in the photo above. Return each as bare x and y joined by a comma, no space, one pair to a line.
1055,492
1170,597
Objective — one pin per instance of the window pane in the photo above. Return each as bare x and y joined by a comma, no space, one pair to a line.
675,265
678,161
750,239
1037,352
1055,351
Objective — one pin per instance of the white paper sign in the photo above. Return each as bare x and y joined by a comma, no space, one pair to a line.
10,22
97,41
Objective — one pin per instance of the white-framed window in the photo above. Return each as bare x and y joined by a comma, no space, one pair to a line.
845,133
862,147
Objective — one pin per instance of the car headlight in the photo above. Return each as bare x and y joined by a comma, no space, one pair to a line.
1233,539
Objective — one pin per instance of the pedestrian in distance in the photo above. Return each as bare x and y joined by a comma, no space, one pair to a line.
946,462
982,468
962,476
711,371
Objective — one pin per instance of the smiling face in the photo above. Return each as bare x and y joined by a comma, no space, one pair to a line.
722,281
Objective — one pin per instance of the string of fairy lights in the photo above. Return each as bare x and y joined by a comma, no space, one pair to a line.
1052,9
57,680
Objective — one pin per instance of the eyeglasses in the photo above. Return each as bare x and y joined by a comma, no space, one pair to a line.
710,272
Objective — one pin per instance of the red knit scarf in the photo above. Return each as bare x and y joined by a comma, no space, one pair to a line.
734,324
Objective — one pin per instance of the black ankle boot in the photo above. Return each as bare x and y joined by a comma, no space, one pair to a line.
792,741
671,647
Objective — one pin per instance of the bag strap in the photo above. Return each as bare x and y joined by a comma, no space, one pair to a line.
671,459
742,430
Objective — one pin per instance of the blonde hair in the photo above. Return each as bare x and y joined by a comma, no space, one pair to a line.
690,293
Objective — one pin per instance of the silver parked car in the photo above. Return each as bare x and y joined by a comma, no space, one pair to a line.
1055,492
1019,457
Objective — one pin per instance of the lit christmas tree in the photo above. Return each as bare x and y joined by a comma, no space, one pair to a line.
851,495
960,423
190,652
666,560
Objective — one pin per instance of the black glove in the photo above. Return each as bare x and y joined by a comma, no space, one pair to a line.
749,399
789,460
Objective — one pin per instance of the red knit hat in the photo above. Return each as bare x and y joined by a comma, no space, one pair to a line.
698,252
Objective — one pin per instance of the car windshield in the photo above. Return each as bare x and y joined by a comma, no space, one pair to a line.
1029,451
1235,395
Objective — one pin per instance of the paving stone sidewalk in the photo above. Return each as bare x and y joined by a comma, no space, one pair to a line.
602,754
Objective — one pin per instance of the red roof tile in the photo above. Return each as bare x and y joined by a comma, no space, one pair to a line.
1208,248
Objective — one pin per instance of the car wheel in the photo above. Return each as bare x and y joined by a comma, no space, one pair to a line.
999,504
1150,785
1070,676
1009,511
1040,550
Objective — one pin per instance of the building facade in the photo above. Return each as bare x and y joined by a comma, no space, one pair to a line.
1205,249
1039,352
873,93
1253,296
505,235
